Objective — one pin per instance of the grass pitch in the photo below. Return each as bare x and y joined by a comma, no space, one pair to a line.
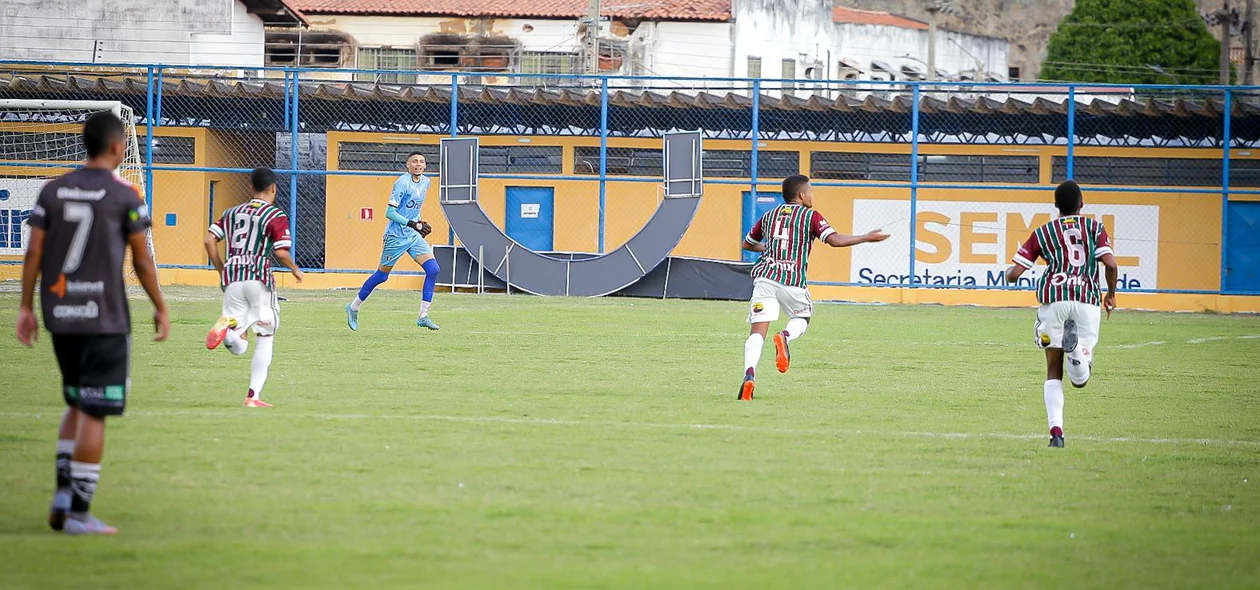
571,443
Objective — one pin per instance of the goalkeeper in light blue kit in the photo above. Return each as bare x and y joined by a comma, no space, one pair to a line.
404,234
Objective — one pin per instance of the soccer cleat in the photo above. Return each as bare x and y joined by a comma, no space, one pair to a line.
89,526
425,322
352,318
219,332
253,402
782,358
746,390
59,510
1069,336
1056,441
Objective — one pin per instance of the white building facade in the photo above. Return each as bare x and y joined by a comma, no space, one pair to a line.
769,39
225,33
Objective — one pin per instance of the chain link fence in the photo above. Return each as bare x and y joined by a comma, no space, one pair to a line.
573,165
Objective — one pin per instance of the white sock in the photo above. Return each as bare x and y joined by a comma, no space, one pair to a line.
796,327
1054,402
356,304
65,446
752,350
235,343
259,366
424,308
1077,367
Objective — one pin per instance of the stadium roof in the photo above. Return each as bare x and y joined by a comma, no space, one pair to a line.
844,14
674,10
946,118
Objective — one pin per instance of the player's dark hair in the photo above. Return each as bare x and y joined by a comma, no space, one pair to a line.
1067,197
421,154
262,178
100,131
793,186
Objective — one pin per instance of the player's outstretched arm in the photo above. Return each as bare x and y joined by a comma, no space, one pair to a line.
27,324
286,258
1013,272
211,243
843,241
1113,274
146,271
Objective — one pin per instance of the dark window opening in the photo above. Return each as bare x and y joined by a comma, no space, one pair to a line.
386,157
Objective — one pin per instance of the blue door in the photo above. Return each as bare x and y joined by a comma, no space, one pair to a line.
530,217
1242,255
755,206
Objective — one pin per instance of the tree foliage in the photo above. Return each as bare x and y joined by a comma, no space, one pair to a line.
1117,41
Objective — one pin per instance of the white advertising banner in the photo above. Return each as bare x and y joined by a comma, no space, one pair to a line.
970,243
17,197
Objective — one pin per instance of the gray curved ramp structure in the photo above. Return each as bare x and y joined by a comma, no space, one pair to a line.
543,275
539,274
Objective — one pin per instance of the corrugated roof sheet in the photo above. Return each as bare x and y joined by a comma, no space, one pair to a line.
258,104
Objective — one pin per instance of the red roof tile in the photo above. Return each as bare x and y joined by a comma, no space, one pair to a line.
844,14
675,10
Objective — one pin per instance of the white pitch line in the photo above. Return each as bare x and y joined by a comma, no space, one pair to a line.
1190,341
669,426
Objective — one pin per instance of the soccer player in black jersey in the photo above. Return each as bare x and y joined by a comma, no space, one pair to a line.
81,226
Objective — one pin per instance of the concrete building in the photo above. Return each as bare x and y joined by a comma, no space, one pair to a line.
507,42
790,39
227,33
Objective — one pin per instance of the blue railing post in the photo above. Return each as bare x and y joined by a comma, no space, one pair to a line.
914,179
1071,134
603,157
158,112
450,232
296,91
1225,136
755,130
287,105
148,145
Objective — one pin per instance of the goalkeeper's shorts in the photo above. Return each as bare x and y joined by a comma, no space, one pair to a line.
395,247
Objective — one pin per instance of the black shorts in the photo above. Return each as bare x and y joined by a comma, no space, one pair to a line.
95,371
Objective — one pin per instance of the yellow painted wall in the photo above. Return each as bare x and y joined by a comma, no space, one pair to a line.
1189,224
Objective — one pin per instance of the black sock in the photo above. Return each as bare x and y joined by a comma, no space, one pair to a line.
64,449
83,478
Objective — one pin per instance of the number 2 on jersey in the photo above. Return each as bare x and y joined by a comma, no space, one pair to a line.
243,226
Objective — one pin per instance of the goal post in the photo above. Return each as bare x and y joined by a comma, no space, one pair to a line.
42,139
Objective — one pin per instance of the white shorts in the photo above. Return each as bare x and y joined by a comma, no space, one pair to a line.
768,296
251,304
1050,319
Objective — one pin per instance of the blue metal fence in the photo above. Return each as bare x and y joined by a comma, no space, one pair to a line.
615,107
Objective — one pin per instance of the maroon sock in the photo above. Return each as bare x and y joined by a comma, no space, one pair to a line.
251,395
1056,431
749,373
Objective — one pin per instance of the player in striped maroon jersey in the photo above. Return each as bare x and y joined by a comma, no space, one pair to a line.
255,231
784,236
1068,319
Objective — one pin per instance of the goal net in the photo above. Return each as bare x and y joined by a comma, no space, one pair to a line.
42,139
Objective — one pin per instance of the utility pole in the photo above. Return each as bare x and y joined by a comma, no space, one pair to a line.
1224,22
1248,60
592,37
931,61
